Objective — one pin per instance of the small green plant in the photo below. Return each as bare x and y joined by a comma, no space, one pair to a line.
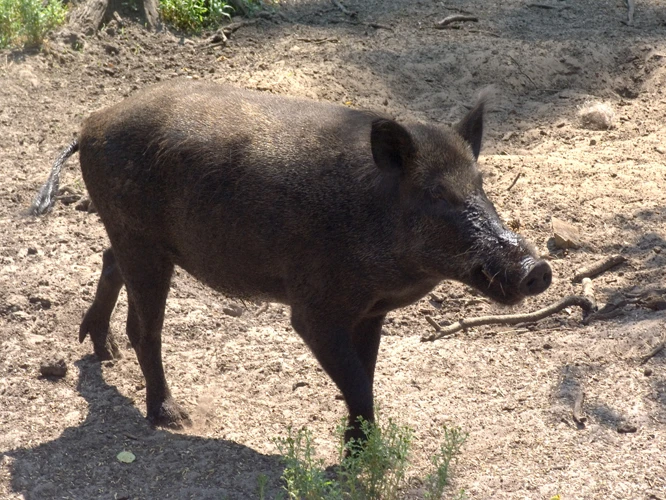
376,467
303,475
449,450
191,16
26,22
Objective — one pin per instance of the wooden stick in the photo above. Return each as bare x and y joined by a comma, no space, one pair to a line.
433,323
343,9
578,415
598,267
630,11
455,18
653,352
588,291
520,70
511,319
514,181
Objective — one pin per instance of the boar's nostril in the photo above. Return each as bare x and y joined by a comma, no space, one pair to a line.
537,279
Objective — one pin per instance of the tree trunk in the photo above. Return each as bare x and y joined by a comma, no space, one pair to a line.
88,16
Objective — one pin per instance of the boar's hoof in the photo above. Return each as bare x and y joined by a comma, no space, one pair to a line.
106,350
97,327
169,415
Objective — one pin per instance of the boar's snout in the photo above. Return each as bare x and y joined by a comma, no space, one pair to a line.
537,279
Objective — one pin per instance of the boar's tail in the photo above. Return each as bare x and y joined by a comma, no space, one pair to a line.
47,194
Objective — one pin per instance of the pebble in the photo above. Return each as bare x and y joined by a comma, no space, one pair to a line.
233,310
565,234
53,367
626,428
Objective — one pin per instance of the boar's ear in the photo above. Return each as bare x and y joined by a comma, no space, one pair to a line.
471,126
392,146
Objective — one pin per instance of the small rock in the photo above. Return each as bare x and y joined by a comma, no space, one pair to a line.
233,310
597,116
660,149
53,367
626,428
43,302
593,142
86,205
508,136
299,384
15,303
647,372
655,301
32,250
111,49
655,250
565,234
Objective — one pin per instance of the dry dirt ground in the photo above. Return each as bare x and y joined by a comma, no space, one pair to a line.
246,378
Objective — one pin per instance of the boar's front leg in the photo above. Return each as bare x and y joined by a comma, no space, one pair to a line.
347,355
96,321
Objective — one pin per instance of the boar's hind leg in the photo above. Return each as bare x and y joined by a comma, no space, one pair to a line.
147,276
347,366
96,321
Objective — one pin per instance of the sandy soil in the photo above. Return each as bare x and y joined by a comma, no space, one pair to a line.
245,379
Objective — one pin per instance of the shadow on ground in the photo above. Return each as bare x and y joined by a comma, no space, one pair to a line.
82,462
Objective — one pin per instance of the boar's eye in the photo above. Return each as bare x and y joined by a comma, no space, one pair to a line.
439,192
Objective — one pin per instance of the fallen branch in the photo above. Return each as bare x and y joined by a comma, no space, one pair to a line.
598,267
520,70
343,9
578,415
653,352
630,12
318,40
511,319
455,18
514,181
588,291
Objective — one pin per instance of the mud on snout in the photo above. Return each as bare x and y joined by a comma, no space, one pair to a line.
506,268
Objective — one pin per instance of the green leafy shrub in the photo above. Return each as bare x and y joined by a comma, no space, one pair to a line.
26,22
191,16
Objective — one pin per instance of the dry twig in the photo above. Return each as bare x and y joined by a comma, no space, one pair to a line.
511,319
588,291
455,18
598,267
343,9
520,70
653,352
630,11
578,415
514,181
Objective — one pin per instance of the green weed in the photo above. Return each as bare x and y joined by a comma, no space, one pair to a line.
26,22
449,450
371,470
191,16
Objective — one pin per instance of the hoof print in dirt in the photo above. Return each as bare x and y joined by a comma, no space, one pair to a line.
55,367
